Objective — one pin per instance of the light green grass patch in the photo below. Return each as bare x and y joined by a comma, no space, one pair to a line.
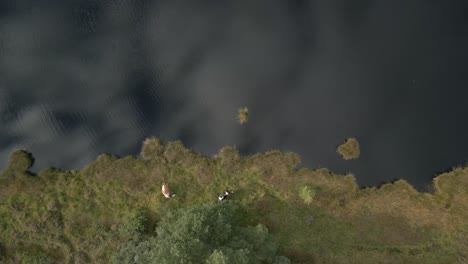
307,194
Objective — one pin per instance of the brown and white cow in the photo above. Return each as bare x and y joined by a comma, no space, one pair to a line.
165,191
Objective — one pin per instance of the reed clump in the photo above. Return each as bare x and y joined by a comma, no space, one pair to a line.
243,115
349,149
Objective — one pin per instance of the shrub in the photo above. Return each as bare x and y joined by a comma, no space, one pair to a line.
207,232
152,148
175,151
228,153
18,165
307,194
137,223
228,255
229,159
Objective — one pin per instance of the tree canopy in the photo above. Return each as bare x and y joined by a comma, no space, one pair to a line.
207,233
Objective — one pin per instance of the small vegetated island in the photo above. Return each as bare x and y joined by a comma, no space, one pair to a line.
243,115
112,211
349,149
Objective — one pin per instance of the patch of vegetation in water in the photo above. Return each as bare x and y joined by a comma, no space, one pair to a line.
243,115
349,149
87,216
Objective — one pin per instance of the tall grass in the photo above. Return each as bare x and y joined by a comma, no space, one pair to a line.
349,149
243,115
85,216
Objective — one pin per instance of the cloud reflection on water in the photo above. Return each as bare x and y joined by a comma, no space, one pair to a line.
88,78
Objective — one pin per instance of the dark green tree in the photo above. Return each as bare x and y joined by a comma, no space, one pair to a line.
136,224
207,233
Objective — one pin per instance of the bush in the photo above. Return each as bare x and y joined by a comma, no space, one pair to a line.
175,151
137,223
207,232
152,148
229,159
228,255
307,194
18,165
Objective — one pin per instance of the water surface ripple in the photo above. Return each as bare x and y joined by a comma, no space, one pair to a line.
92,77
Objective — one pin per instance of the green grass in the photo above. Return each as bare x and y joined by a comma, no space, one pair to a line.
85,216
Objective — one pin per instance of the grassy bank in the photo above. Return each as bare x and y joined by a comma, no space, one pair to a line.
84,216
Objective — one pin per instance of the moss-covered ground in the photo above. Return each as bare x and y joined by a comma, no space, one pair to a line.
84,216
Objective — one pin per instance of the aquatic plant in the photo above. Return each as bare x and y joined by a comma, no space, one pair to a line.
349,149
243,115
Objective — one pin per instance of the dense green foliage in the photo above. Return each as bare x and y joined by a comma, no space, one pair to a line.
202,233
115,204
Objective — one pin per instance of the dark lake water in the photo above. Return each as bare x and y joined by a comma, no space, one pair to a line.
90,77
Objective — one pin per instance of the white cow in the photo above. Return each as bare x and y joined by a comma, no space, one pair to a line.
224,195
